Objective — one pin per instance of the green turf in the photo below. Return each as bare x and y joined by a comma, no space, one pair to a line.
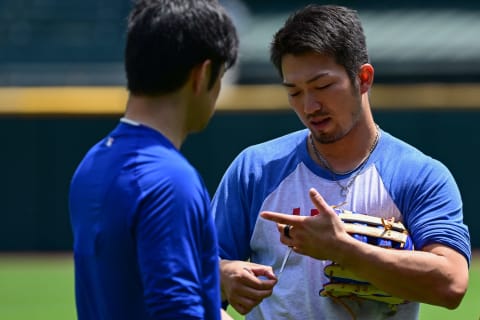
36,287
40,287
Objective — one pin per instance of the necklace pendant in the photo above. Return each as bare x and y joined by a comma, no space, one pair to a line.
343,191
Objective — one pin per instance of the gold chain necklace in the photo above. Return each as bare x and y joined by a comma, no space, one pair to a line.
344,189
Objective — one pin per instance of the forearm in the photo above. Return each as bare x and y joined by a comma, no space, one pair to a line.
438,275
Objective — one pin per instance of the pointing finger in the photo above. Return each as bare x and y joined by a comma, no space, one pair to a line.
282,218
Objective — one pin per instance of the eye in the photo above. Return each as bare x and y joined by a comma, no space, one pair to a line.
294,94
323,86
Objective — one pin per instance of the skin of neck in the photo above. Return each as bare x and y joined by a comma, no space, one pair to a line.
164,113
350,151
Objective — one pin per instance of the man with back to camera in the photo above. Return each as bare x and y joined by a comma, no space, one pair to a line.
342,158
144,240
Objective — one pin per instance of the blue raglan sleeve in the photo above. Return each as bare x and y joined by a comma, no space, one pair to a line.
432,207
428,197
177,247
249,179
231,211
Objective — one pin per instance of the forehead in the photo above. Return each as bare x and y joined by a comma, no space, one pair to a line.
300,68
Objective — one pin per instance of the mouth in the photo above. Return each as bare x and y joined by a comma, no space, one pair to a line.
320,124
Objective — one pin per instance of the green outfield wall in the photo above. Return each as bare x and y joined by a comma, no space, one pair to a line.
40,153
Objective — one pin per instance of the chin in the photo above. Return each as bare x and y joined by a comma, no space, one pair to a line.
327,138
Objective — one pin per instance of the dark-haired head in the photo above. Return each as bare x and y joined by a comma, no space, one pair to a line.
167,38
325,29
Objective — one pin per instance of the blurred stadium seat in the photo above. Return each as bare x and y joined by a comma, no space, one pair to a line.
52,42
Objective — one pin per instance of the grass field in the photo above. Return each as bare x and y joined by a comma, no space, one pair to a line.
40,287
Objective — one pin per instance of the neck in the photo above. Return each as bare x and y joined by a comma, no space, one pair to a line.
163,113
347,154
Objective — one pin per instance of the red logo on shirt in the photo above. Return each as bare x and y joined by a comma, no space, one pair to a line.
296,212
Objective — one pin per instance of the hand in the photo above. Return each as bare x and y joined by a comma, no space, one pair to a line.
241,284
322,236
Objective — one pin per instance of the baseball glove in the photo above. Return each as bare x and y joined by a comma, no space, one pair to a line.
373,230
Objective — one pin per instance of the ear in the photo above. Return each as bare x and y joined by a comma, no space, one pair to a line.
365,76
201,76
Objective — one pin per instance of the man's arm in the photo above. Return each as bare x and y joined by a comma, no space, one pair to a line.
435,274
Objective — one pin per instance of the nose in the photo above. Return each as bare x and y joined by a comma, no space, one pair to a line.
310,103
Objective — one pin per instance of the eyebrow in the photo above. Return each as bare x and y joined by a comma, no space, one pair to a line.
316,77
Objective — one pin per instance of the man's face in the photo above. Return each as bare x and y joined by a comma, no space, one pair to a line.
322,95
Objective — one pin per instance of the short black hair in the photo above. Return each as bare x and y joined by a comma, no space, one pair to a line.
167,38
325,29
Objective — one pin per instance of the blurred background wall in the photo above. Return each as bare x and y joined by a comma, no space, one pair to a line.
62,89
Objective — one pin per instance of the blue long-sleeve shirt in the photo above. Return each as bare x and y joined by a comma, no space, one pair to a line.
144,240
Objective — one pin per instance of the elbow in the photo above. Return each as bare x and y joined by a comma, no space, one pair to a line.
453,303
453,296
454,299
449,277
